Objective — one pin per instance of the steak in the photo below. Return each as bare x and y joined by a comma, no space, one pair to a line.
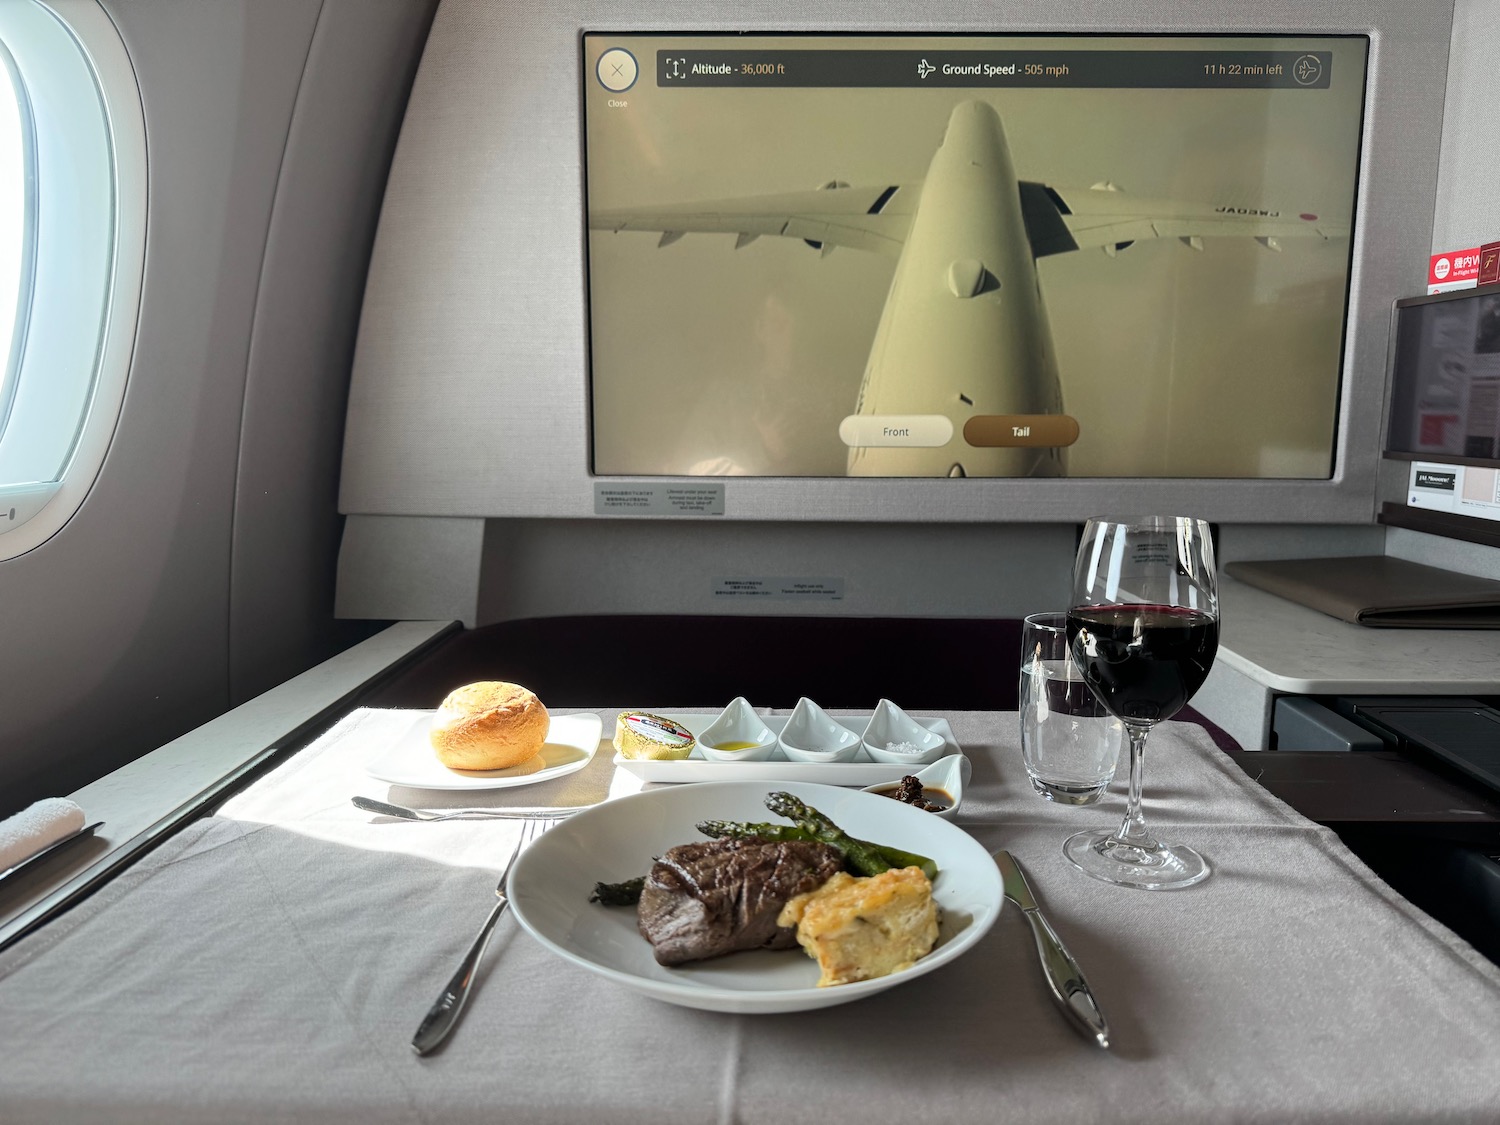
706,899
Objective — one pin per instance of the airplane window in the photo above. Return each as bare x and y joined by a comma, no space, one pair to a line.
72,247
14,218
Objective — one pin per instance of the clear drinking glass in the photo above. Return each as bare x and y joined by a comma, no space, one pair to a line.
1143,628
1070,744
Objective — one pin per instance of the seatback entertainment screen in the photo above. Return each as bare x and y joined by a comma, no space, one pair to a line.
943,256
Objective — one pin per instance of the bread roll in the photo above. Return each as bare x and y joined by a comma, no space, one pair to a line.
491,725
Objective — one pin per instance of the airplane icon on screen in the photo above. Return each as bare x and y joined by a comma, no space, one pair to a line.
924,68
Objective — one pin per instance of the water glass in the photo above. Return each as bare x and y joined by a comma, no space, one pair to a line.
1069,743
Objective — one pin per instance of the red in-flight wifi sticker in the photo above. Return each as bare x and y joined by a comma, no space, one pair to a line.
1456,269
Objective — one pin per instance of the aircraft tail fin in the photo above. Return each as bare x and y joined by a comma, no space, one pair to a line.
1042,211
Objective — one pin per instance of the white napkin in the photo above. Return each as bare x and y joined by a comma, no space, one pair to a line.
37,827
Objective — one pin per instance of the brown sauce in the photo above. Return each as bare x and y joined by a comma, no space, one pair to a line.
933,800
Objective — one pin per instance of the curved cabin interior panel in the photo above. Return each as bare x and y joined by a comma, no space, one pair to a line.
731,385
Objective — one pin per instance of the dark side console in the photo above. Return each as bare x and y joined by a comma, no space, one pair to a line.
1412,785
1464,733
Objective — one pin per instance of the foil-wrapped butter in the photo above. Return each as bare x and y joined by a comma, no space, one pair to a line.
639,735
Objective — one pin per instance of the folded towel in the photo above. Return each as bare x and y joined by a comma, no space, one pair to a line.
37,827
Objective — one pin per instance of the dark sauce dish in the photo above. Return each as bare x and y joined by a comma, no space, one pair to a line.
916,795
940,785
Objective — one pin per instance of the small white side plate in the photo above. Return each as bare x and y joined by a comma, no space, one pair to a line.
572,741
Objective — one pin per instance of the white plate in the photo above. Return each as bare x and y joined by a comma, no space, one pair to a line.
860,771
572,741
550,884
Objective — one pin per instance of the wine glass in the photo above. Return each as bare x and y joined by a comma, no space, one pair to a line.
1143,627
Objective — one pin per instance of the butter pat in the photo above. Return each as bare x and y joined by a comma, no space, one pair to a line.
639,735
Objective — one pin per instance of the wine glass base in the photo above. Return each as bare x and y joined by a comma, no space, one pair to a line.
1166,867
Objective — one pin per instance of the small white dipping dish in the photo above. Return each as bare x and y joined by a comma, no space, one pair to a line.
947,776
891,728
812,735
737,723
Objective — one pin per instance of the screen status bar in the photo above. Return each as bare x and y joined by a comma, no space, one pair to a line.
1141,69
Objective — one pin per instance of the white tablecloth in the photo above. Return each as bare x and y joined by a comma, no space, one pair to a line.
271,962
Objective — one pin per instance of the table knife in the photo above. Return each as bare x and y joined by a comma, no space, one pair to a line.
1064,977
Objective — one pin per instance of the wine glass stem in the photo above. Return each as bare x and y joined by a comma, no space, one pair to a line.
1132,831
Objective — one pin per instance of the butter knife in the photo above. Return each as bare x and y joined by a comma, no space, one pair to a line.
1064,977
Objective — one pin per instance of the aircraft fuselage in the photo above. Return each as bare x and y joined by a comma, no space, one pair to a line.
964,331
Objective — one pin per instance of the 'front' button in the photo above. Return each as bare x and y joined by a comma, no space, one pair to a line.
915,431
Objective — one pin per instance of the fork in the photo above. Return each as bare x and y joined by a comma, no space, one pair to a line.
443,1014
367,804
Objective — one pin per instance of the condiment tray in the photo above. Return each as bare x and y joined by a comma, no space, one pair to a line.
860,771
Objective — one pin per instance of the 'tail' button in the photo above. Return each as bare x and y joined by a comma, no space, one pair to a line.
915,431
1046,430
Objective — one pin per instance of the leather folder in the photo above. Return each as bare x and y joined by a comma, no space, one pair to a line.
1379,591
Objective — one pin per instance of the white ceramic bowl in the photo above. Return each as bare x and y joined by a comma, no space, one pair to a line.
737,723
890,727
812,735
949,774
550,884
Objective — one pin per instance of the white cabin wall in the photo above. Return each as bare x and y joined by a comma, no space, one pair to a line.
1468,190
269,124
343,130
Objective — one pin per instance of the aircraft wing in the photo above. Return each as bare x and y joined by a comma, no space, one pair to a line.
1105,217
874,219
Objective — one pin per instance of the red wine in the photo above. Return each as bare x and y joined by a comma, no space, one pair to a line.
1144,662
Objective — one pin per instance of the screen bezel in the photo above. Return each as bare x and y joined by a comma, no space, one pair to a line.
1336,444
468,396
1473,293
1431,521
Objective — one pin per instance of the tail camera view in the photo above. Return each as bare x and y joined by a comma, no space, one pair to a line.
954,257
